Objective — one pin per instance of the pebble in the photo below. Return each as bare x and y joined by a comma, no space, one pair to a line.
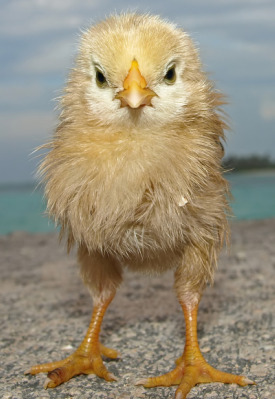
206,349
241,256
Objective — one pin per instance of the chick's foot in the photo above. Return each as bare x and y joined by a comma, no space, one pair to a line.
189,373
85,360
192,368
77,363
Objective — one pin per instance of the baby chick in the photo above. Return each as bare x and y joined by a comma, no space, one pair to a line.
134,178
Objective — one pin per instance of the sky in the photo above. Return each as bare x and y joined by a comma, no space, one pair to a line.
38,42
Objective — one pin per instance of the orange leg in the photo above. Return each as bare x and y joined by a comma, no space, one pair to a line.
85,360
191,367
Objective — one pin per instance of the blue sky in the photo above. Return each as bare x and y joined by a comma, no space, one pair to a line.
38,40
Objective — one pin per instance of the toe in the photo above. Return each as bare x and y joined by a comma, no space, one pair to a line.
100,370
188,381
45,367
58,376
227,378
172,378
108,352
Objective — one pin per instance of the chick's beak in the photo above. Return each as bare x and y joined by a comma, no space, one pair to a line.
135,93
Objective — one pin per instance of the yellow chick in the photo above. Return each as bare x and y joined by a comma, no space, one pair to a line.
134,178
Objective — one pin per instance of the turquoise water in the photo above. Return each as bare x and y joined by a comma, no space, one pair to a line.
22,207
254,195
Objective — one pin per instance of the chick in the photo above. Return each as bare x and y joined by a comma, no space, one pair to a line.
134,179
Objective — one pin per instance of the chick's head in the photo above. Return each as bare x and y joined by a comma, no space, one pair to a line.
159,60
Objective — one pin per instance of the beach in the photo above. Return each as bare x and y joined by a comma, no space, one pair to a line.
45,311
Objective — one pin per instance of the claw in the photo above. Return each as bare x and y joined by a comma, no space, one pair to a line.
27,371
46,383
142,381
247,381
112,377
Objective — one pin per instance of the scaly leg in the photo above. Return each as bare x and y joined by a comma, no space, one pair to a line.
87,357
191,367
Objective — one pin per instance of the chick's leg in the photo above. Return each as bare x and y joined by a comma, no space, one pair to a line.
87,357
191,368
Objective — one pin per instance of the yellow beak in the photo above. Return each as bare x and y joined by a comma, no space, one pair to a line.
135,93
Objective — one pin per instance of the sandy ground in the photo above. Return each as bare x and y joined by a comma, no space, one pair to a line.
45,310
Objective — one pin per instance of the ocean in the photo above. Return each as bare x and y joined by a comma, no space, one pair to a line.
22,207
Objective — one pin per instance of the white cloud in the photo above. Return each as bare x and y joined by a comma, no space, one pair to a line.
53,56
31,17
228,19
267,111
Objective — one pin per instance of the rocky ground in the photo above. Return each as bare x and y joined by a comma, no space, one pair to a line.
45,310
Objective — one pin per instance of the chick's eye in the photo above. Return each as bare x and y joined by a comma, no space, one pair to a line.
100,79
170,76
